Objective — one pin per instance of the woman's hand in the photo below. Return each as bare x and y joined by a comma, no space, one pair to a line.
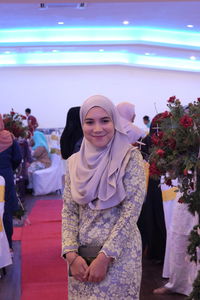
79,269
78,266
96,272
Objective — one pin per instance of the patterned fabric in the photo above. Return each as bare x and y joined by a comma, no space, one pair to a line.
116,231
36,165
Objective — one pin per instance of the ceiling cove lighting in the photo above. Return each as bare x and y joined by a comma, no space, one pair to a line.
166,63
99,35
125,22
96,58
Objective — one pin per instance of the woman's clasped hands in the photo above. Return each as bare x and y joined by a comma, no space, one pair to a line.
96,272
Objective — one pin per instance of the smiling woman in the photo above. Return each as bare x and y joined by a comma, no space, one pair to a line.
98,127
104,192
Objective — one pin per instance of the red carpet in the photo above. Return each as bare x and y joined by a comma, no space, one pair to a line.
44,273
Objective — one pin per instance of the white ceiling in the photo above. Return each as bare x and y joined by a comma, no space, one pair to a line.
164,15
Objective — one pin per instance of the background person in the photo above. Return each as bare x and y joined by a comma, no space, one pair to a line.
32,121
104,192
72,134
10,159
40,155
152,221
147,121
127,114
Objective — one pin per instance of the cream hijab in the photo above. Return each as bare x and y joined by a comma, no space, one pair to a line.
126,110
96,174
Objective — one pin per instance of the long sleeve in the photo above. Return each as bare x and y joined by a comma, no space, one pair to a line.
70,220
38,152
134,182
41,155
16,155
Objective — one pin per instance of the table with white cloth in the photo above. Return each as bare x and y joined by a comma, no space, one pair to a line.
50,179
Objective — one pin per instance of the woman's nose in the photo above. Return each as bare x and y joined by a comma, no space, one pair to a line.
97,127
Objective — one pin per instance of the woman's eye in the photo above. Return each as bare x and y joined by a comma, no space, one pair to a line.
106,120
88,122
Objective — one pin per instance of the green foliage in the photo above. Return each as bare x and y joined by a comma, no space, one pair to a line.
194,240
175,151
176,154
195,294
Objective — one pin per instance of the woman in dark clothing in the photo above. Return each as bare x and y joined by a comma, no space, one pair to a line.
72,135
22,175
152,221
10,158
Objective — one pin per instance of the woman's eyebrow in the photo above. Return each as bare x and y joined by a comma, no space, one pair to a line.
105,118
88,119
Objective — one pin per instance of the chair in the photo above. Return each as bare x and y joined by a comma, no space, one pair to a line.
5,257
49,180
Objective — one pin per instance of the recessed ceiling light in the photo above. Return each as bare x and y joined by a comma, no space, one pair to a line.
192,57
101,50
7,52
190,26
61,23
54,50
125,22
147,53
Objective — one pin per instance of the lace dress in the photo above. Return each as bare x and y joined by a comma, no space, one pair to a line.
116,231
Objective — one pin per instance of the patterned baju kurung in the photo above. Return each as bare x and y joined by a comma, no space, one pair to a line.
116,231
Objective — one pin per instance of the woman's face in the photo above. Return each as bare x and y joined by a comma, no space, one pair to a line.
98,127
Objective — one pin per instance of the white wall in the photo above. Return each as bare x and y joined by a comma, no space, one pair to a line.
51,91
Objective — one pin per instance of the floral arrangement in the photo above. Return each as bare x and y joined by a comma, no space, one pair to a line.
175,154
13,122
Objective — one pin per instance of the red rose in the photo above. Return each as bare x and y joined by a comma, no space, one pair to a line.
172,143
181,200
153,169
156,120
160,134
160,152
198,99
186,121
166,114
172,99
155,139
185,172
168,182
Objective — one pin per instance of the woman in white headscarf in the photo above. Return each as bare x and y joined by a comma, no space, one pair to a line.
127,114
104,192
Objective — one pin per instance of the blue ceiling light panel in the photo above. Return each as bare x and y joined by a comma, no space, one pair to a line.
94,36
